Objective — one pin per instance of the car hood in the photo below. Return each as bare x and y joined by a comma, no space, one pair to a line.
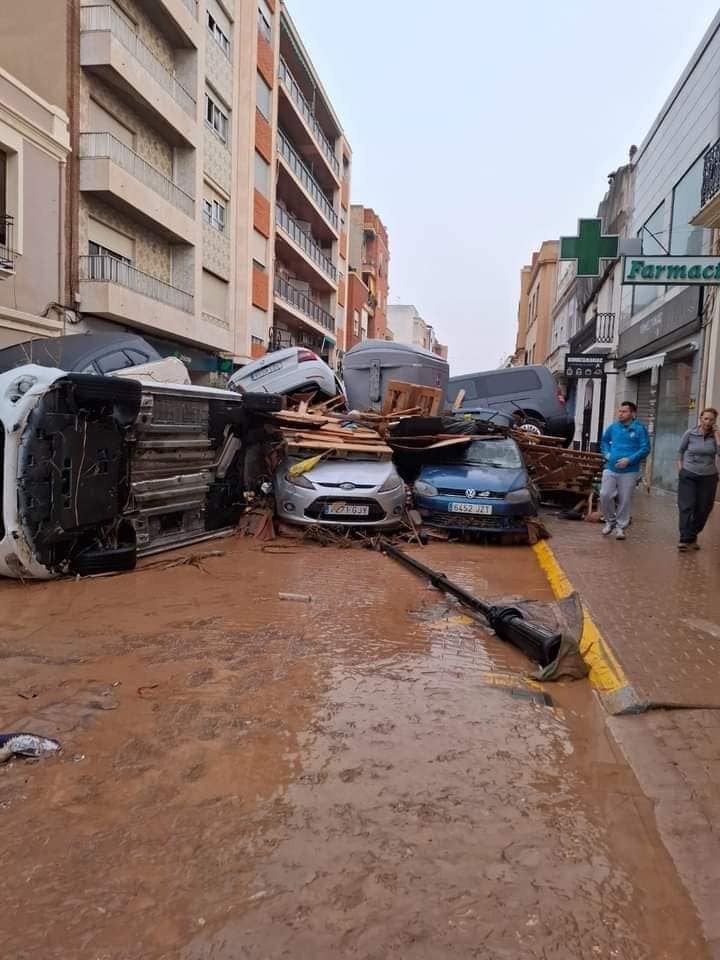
462,476
362,472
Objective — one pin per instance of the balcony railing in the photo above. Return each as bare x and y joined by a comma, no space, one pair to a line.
7,252
303,239
711,174
106,269
306,178
297,96
105,18
601,329
285,290
102,145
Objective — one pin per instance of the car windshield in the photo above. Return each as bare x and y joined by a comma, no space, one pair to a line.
494,453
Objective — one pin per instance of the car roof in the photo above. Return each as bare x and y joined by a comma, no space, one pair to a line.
537,367
70,352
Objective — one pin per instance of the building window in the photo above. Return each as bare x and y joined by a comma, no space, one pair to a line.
654,239
263,98
356,323
216,118
97,250
685,239
218,34
3,196
264,20
262,175
214,214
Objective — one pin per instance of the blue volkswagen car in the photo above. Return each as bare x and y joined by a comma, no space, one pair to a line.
485,487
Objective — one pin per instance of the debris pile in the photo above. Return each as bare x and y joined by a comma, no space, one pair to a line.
555,469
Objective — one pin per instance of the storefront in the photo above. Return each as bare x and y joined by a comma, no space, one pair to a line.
661,360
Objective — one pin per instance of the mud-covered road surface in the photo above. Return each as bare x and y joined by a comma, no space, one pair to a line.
366,775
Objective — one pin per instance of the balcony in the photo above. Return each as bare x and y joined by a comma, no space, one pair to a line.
709,213
319,140
303,305
124,179
116,290
111,48
302,176
177,20
7,252
598,332
303,250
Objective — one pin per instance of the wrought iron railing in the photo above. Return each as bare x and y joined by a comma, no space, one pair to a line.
100,145
106,269
292,228
7,251
302,302
711,174
306,111
600,329
292,158
97,18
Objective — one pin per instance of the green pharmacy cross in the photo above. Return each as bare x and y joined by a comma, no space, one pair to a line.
589,247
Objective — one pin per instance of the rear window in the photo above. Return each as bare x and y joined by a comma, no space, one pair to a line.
513,382
456,386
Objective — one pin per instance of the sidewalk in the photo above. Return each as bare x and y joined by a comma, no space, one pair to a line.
657,609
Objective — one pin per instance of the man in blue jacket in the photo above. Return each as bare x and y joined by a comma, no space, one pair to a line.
625,444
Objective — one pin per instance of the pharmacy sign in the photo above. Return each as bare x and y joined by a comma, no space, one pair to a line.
589,247
673,271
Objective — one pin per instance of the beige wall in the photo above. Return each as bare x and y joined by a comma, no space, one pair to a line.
540,299
33,46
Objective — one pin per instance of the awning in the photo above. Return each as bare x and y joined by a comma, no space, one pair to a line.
634,367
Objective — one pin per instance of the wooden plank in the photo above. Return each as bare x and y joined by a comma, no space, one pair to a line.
314,444
458,400
401,395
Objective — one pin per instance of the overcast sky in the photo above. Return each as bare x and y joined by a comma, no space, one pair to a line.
480,128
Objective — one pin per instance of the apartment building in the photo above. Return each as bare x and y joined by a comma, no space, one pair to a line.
538,286
34,143
370,262
517,358
312,163
407,326
208,185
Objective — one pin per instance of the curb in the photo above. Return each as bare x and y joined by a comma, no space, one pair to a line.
606,674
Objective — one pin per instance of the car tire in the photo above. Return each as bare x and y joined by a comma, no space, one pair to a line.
89,390
534,426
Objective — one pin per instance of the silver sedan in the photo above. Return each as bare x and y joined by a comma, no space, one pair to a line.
347,492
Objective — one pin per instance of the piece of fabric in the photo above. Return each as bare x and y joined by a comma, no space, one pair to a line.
625,441
616,493
698,452
696,498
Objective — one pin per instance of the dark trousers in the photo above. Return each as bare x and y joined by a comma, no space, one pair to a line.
696,497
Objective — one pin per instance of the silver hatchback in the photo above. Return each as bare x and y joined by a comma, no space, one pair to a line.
348,492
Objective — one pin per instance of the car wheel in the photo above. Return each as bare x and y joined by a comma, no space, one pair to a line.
536,427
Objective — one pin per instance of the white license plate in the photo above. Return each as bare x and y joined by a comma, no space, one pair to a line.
266,370
347,509
470,508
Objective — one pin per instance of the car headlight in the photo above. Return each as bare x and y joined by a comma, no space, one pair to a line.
391,482
300,481
518,496
425,489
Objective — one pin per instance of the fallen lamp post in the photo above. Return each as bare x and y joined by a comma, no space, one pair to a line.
536,642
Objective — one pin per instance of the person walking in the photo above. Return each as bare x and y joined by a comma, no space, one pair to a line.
697,478
625,444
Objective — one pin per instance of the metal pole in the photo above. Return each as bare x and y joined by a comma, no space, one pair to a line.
601,410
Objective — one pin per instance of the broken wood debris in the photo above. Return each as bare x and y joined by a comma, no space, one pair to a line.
555,469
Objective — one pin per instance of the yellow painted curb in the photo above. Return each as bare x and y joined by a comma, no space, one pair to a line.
606,674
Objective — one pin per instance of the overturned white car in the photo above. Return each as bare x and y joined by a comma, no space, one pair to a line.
97,471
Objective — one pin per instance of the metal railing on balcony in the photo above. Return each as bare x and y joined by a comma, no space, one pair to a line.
711,174
7,251
99,18
600,329
106,269
298,98
105,145
290,155
302,302
292,228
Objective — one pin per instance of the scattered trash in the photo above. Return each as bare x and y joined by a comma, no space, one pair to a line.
77,757
150,686
299,597
26,745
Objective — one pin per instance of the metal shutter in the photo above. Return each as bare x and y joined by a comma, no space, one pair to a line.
643,396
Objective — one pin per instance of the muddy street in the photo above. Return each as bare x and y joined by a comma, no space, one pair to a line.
367,774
